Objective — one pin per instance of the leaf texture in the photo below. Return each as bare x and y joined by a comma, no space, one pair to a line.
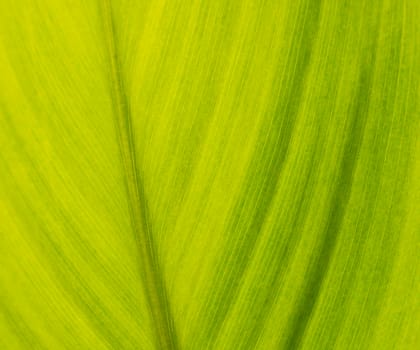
209,174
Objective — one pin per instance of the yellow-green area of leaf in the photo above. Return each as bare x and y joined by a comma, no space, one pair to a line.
209,174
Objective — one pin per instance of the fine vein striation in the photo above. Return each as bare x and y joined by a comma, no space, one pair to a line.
153,284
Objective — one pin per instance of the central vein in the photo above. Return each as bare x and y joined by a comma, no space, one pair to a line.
154,289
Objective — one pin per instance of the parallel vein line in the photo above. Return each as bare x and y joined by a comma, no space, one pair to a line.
154,288
339,199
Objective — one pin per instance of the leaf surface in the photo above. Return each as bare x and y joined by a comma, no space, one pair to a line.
209,174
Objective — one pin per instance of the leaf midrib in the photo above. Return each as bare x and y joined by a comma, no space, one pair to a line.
140,223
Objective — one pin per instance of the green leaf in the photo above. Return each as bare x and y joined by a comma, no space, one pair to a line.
209,174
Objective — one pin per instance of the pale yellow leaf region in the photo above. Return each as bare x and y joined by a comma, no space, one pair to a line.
209,174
